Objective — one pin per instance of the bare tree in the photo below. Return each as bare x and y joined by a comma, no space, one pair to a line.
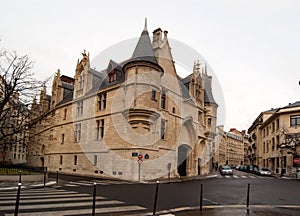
18,88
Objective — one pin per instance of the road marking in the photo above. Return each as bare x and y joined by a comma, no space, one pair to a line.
49,202
212,176
244,176
235,176
213,202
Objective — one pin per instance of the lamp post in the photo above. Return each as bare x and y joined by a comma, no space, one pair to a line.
281,160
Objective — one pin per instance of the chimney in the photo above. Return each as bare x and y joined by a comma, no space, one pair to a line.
157,38
243,132
165,35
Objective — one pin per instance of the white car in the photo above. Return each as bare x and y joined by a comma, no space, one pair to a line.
264,171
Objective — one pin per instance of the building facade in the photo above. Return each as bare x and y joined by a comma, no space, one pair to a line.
277,137
232,147
235,147
135,120
13,145
255,138
220,150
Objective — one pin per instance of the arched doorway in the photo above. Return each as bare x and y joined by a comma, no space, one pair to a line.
183,152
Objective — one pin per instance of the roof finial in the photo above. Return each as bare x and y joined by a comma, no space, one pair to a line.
145,27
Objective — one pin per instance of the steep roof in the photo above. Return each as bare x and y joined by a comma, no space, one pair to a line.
113,65
208,95
68,92
144,50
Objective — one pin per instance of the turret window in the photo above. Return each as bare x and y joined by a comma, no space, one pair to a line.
65,114
153,95
163,127
61,160
75,160
163,99
62,138
209,121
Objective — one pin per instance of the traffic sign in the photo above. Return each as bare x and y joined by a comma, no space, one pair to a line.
297,160
140,156
140,161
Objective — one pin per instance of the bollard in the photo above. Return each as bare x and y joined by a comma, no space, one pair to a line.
18,199
248,194
44,177
201,197
20,176
155,198
56,177
94,199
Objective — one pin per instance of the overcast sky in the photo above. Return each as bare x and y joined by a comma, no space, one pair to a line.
252,46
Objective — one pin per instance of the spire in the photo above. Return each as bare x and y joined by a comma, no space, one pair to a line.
145,27
144,50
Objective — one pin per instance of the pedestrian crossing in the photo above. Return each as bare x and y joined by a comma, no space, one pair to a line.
243,177
98,182
57,201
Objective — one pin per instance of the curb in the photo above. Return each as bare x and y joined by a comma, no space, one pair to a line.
197,208
39,185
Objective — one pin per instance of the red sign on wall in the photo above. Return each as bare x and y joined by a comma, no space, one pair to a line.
297,160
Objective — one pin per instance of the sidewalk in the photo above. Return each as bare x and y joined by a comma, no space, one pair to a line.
14,185
239,211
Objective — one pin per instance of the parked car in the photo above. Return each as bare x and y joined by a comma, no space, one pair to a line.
225,170
264,171
238,167
250,168
256,170
243,168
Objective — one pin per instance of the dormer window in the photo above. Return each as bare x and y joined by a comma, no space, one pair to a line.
112,76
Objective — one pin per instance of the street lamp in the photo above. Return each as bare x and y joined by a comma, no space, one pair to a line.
282,146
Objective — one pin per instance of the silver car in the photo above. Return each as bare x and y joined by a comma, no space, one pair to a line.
225,170
264,171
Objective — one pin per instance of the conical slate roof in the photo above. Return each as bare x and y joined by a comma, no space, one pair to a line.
143,50
208,95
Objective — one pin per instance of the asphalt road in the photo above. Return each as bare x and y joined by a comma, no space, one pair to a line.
222,195
217,191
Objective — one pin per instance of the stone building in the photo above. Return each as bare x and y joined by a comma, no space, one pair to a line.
220,150
235,147
255,138
135,120
276,136
13,145
231,147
